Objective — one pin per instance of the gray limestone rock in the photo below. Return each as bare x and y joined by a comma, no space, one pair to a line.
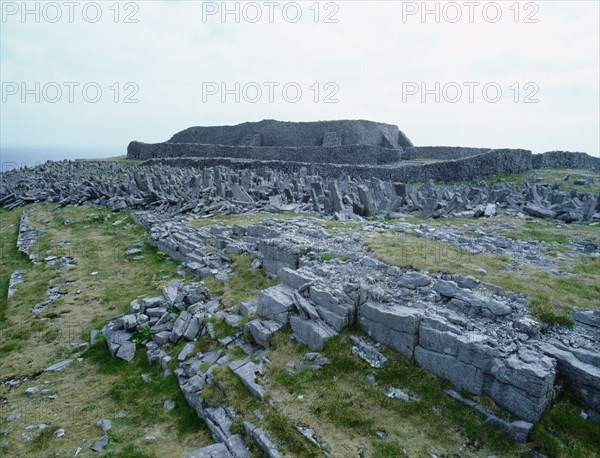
126,351
276,303
413,280
247,371
259,436
393,325
366,351
263,330
99,445
312,333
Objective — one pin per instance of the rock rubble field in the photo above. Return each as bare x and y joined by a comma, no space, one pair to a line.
346,259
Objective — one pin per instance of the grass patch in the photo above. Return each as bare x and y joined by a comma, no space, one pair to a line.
145,399
100,386
332,256
537,234
243,285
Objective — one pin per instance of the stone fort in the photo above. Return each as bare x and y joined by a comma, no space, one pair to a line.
346,147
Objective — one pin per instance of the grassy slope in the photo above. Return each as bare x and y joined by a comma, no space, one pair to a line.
98,386
336,401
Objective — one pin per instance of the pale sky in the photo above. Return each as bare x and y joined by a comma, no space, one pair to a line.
375,61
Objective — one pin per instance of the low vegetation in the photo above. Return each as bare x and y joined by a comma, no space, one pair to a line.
99,386
551,296
243,285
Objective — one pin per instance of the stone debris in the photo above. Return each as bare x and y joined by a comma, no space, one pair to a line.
182,185
18,276
311,435
476,335
99,445
313,361
517,430
366,351
211,451
262,440
262,330
398,393
169,404
105,425
27,236
59,366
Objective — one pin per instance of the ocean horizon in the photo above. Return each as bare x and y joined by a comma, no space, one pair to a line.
16,157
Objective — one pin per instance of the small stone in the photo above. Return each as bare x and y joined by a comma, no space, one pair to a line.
56,367
169,404
59,432
145,378
381,435
150,438
397,393
14,416
371,380
99,445
31,390
104,425
26,436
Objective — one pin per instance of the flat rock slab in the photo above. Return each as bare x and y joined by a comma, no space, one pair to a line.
259,436
312,333
212,451
246,370
366,351
262,331
57,367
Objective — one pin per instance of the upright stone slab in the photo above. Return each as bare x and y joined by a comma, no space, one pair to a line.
276,303
393,325
312,333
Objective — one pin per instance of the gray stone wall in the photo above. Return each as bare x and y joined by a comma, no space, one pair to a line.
349,154
280,133
442,152
495,162
566,160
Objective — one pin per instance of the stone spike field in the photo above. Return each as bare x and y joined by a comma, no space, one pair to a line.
210,296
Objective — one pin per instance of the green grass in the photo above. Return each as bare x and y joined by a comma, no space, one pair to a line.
100,385
332,256
341,403
563,433
243,285
537,234
144,400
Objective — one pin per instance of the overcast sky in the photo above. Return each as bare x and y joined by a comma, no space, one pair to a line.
528,75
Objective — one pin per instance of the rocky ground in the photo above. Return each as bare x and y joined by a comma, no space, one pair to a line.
209,313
